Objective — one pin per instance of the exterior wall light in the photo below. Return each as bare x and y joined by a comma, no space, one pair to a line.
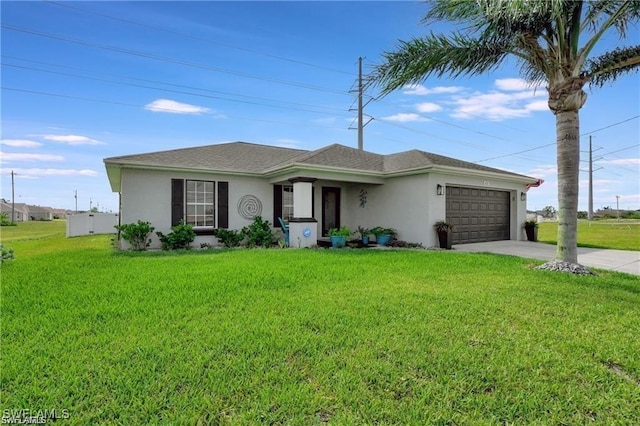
523,196
439,189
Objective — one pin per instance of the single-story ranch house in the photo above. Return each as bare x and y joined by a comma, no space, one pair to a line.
227,185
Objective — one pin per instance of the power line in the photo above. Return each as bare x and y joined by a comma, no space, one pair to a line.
610,125
550,144
448,123
103,101
183,92
391,123
153,81
622,149
171,60
166,30
515,153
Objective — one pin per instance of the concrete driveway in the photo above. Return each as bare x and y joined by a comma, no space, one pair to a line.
615,260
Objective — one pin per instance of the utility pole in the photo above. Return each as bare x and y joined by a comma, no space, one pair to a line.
618,207
13,199
90,204
361,106
590,213
360,125
75,195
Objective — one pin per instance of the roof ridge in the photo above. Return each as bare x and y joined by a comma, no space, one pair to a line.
190,148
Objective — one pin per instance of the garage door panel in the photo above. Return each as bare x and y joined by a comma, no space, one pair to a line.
478,214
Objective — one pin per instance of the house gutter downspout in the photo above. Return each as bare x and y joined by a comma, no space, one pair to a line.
534,185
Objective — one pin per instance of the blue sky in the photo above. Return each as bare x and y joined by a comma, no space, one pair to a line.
82,81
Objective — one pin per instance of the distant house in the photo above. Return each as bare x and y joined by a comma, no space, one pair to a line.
40,213
20,211
227,185
536,215
60,213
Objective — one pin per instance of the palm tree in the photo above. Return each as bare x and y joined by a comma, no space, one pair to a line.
544,38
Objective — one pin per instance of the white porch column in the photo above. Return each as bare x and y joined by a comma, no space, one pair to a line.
303,227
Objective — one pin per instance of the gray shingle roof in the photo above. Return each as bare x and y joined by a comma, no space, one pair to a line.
253,158
416,159
230,157
337,155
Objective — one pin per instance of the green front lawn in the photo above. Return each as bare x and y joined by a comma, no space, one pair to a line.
313,336
622,235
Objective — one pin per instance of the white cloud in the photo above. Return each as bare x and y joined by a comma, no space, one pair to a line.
516,84
167,105
21,143
326,120
72,139
499,105
428,107
419,89
31,173
599,185
543,171
16,156
537,106
404,117
622,162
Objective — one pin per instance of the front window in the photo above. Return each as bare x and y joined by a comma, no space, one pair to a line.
200,203
287,202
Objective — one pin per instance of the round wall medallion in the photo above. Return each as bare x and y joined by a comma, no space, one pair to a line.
249,207
306,232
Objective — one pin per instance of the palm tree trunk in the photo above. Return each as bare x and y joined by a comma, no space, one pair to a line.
568,148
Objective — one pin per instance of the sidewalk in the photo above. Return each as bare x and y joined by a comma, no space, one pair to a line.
615,260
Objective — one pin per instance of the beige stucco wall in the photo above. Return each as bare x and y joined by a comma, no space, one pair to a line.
146,196
407,203
410,204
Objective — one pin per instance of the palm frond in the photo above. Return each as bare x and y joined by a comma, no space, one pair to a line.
611,65
602,16
437,55
543,35
601,11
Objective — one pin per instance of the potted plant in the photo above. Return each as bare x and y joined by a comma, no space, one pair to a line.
531,228
339,236
445,237
364,234
383,235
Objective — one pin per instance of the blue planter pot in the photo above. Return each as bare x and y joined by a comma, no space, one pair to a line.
365,240
338,241
383,240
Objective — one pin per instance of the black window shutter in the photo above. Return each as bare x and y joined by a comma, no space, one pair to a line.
277,204
177,201
223,205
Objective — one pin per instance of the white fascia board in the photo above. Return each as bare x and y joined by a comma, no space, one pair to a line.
114,173
324,172
133,166
457,171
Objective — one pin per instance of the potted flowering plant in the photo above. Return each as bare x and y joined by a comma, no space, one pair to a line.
339,236
383,235
364,234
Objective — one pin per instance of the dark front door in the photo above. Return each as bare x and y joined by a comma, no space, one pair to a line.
330,208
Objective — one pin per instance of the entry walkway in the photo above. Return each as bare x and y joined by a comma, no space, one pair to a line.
615,260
